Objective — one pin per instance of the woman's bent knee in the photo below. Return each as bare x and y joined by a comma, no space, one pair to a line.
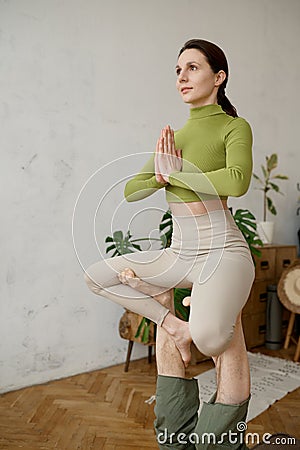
88,280
92,285
211,342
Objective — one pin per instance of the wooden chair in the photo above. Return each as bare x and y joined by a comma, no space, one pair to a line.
128,326
289,337
288,290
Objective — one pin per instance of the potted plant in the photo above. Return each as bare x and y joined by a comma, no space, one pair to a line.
266,228
121,244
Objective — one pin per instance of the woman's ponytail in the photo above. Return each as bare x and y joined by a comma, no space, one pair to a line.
224,102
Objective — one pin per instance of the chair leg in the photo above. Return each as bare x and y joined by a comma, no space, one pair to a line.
129,350
289,330
297,354
149,354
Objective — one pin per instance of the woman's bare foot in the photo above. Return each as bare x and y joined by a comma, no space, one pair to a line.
127,276
180,332
177,328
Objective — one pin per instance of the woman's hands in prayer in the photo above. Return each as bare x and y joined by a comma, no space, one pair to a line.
167,159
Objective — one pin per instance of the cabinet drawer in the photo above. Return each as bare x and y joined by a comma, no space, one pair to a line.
259,329
258,298
254,329
284,257
265,264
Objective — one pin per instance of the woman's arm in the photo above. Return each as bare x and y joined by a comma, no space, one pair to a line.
143,184
234,179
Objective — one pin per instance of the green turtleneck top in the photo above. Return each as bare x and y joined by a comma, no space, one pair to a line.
216,160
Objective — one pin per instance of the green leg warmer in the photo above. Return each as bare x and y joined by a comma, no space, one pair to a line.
178,427
222,426
176,410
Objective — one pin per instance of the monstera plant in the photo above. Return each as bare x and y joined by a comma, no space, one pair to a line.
121,244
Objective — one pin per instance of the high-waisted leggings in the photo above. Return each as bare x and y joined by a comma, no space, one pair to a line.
209,255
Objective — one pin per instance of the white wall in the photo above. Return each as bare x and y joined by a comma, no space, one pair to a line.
87,82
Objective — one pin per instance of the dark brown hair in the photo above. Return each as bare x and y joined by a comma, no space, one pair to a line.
217,61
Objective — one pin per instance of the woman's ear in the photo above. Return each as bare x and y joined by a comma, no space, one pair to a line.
220,77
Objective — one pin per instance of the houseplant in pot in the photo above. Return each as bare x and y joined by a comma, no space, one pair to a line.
267,184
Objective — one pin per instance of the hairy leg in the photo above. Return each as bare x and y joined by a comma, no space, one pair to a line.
179,330
168,358
232,366
172,346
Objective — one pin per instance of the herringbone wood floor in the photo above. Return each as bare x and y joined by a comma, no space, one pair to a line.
106,409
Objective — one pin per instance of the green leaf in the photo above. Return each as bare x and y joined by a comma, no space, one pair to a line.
280,177
109,239
142,323
271,206
244,219
272,162
264,172
258,179
163,240
138,247
145,337
167,225
112,247
274,186
249,223
162,226
167,215
166,221
249,235
246,222
245,213
118,235
255,251
258,241
181,311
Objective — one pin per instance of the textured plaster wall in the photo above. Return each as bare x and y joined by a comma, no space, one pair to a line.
86,87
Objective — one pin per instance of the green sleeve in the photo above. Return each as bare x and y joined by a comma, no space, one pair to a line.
143,184
234,178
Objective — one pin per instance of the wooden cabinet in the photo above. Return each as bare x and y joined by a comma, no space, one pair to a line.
268,269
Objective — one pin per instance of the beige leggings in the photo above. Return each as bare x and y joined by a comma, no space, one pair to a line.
208,254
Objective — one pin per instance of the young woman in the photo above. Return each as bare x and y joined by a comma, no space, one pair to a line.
199,166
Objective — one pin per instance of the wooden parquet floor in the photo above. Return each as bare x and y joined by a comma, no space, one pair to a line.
106,409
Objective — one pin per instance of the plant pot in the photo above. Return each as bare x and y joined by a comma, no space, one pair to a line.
266,232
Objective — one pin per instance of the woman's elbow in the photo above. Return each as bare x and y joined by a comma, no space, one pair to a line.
239,183
132,196
240,188
128,193
129,197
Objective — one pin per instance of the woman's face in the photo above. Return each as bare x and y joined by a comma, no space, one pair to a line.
196,82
